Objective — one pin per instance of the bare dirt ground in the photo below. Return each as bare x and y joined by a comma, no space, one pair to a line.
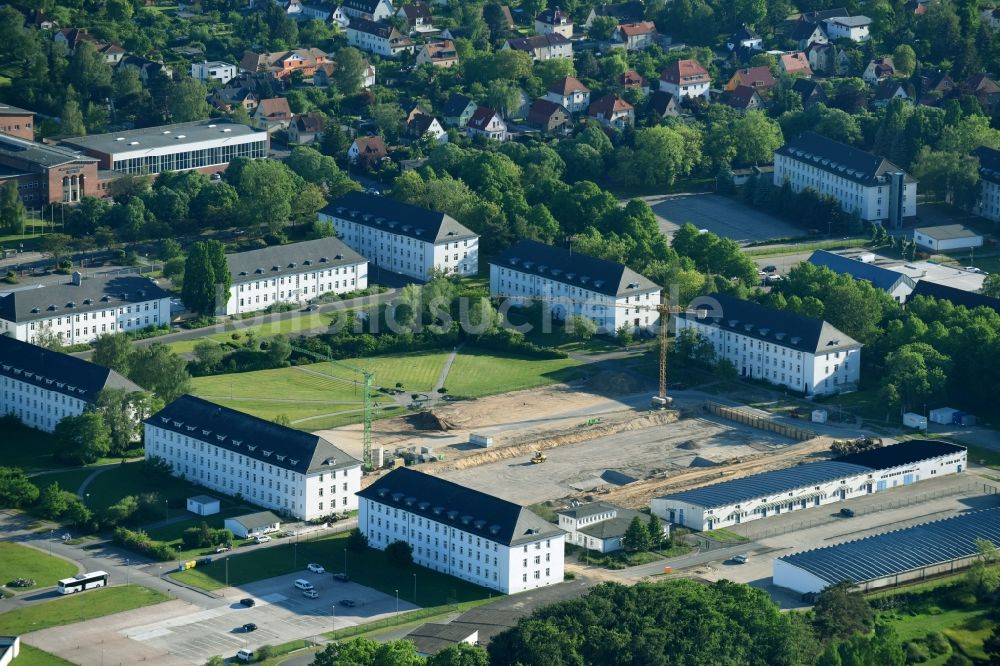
610,464
509,417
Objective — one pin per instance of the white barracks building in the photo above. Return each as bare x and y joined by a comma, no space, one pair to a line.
402,238
778,346
293,273
42,387
270,465
80,310
462,532
810,485
875,188
611,295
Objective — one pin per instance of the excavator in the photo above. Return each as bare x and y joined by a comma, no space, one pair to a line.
538,458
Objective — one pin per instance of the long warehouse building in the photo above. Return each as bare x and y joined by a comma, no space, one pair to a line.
883,560
812,484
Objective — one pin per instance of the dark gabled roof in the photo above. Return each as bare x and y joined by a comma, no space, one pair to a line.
838,158
804,30
958,297
542,110
280,260
756,77
608,106
40,154
744,32
947,232
397,217
888,88
456,105
663,102
625,12
783,481
824,14
469,510
376,28
241,433
579,270
900,551
740,98
482,117
880,278
904,453
760,322
850,21
55,371
253,521
433,638
807,88
554,16
96,293
529,44
989,163
613,528
366,6
587,510
313,122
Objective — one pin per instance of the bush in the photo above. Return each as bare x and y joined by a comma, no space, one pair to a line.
11,278
400,553
141,543
916,653
937,644
357,542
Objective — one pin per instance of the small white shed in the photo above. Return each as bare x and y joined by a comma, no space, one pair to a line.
253,524
203,505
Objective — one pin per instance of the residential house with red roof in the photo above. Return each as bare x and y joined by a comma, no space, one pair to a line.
367,151
635,36
685,78
612,111
633,80
439,54
795,64
272,114
743,99
282,64
759,78
879,69
307,127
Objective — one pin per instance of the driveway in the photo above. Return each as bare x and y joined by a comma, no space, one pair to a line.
720,215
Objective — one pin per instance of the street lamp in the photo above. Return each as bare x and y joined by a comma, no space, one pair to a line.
87,500
227,572
127,571
52,536
414,589
178,556
345,561
397,603
166,509
333,617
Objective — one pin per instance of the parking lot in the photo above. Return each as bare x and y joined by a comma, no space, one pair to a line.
824,526
180,633
720,215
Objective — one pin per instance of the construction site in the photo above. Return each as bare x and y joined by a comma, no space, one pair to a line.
597,439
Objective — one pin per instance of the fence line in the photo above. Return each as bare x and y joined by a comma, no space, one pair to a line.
757,421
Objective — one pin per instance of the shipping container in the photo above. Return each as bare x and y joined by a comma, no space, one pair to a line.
918,421
942,415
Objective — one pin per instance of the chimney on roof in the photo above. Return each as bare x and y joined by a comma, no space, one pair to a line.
77,278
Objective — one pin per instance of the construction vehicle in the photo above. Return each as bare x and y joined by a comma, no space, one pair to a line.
538,458
845,447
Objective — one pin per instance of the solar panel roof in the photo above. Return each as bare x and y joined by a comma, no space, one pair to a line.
768,483
900,551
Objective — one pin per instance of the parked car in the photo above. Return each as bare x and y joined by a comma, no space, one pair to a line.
223,549
303,584
248,602
312,594
342,577
244,655
348,602
847,513
261,538
249,626
770,269
315,568
741,559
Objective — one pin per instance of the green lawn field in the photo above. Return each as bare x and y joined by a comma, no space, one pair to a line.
32,656
478,373
320,389
77,608
17,561
27,448
371,568
68,480
117,482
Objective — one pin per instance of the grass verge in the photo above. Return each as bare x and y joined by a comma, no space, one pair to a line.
17,561
32,656
772,251
78,608
31,450
478,373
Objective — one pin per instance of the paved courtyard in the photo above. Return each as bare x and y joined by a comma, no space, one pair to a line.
720,215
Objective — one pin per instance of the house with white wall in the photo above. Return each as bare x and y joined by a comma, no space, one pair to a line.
570,284
293,273
83,308
781,347
600,526
866,184
569,93
462,532
685,78
414,241
41,387
233,453
988,204
215,70
854,28
378,37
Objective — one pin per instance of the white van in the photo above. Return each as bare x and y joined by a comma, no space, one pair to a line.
245,655
303,584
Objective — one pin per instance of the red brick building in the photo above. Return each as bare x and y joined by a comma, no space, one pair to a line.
49,174
17,122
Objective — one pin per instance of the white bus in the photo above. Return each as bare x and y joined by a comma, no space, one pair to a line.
84,581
